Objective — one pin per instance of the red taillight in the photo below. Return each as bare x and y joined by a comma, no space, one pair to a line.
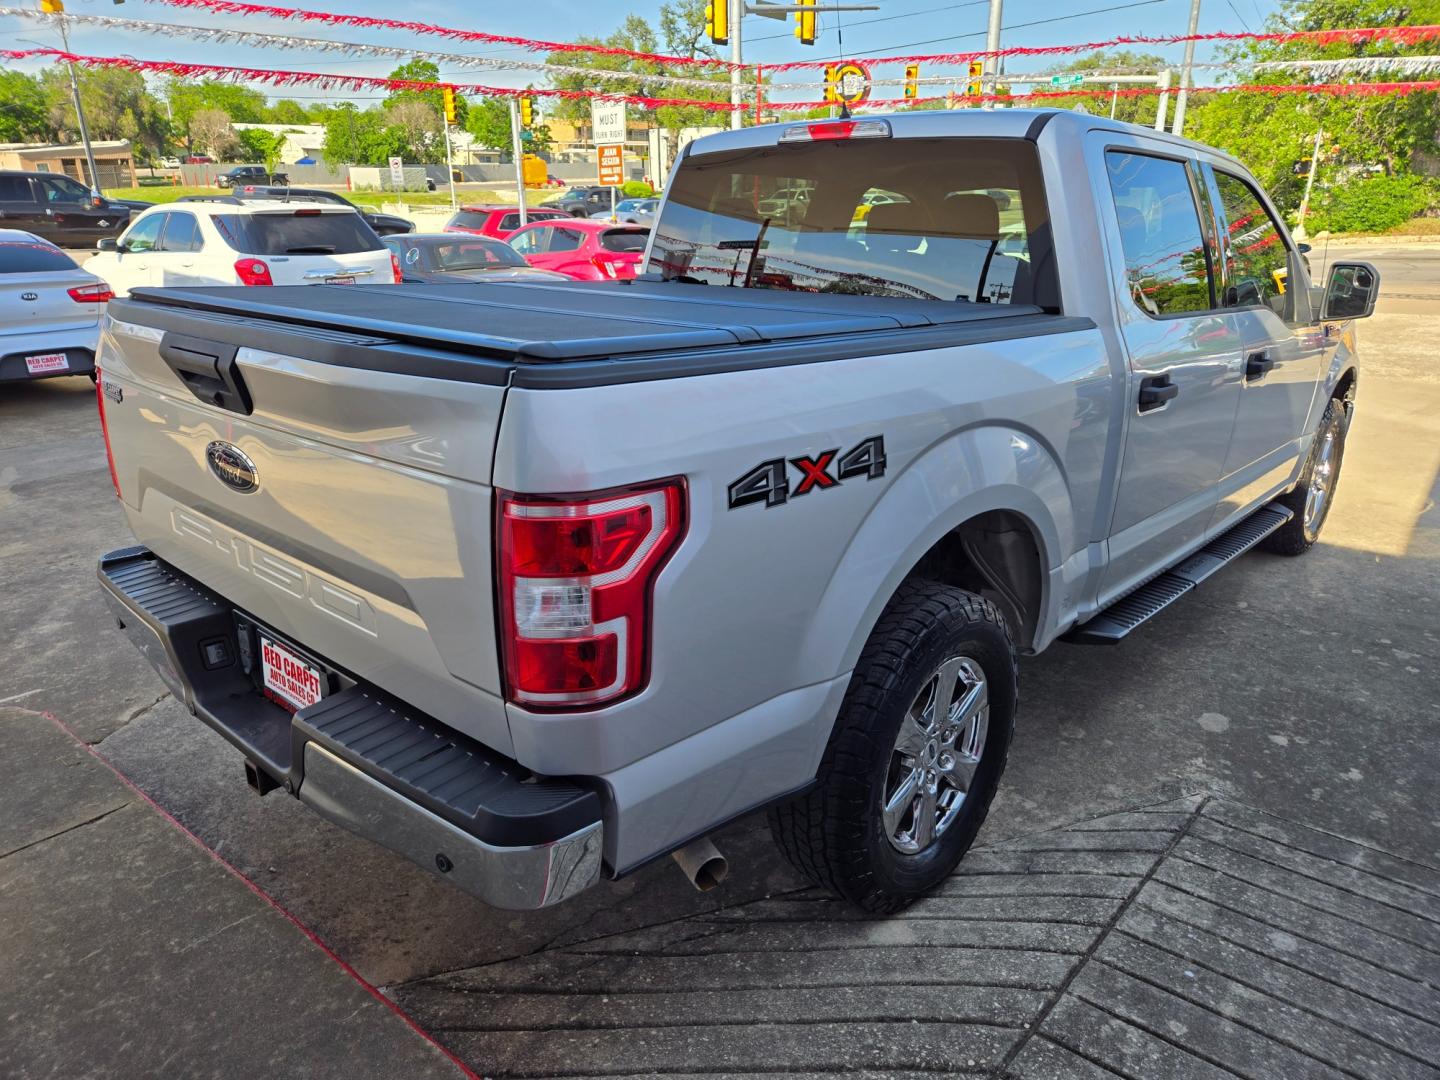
253,272
395,268
105,428
606,266
91,294
576,576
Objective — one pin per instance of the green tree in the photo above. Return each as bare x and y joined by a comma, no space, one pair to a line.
287,111
356,137
489,122
23,113
418,70
1270,133
186,97
263,146
681,33
117,103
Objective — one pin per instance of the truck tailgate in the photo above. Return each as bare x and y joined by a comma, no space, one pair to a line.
350,509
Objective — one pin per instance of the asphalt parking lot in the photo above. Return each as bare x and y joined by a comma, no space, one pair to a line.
1215,852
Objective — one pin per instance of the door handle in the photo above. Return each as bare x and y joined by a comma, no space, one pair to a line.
1155,390
1257,364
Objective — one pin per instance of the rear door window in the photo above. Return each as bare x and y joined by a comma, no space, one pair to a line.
930,219
564,240
32,257
15,189
1167,266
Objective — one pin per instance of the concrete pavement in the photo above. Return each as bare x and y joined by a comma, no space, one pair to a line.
1302,693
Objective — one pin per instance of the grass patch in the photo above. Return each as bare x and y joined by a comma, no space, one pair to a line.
372,199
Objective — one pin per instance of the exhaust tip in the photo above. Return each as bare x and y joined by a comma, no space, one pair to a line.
701,862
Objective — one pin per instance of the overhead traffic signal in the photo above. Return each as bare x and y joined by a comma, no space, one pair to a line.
52,7
447,95
912,80
977,73
832,82
717,21
805,22
527,112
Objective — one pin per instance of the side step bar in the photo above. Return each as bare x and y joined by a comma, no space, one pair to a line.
1123,616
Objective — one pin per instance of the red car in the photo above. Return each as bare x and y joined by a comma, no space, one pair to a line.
497,221
583,249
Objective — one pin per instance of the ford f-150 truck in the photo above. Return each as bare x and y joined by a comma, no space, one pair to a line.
535,582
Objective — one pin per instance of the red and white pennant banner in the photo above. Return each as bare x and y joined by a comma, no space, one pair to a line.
331,81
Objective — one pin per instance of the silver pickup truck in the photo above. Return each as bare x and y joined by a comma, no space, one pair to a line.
536,582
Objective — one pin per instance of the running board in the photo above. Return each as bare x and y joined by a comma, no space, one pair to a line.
1123,616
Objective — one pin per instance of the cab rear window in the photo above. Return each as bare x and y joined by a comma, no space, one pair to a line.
31,257
959,219
298,232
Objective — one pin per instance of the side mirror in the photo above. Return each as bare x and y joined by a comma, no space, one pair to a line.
108,243
1351,291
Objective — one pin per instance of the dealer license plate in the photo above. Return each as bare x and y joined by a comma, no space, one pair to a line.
288,676
46,363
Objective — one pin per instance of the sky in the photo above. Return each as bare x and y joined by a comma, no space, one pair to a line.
899,26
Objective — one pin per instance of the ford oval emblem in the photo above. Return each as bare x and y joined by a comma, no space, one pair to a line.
29,296
229,463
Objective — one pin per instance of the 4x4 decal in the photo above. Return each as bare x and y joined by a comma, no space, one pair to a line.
769,482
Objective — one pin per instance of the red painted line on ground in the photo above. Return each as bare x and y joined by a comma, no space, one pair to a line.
294,920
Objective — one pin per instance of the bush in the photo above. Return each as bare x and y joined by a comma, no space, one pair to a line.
1371,204
636,189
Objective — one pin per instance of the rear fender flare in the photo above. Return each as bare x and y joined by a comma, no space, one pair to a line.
966,474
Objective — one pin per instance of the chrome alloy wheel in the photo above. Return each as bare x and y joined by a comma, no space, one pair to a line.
1321,478
941,741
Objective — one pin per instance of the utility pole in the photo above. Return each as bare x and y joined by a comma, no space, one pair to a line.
737,18
1309,185
1162,105
57,7
519,160
992,45
1187,69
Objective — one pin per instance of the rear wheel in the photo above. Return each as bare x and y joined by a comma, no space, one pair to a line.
1312,497
916,755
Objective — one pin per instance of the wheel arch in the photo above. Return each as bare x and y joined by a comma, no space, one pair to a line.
986,509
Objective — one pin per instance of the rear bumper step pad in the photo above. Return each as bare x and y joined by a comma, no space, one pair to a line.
361,757
1135,608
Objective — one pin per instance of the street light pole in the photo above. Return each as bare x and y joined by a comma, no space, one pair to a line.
57,7
1186,69
737,19
992,46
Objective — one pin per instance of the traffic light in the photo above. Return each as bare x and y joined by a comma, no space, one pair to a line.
832,82
53,7
977,73
805,22
527,112
912,80
717,21
447,94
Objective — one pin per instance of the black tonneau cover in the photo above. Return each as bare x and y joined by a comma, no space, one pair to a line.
524,326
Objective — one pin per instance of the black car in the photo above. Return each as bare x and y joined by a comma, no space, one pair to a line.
583,201
249,174
384,224
440,257
58,209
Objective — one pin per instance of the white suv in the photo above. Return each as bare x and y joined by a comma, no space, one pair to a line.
221,240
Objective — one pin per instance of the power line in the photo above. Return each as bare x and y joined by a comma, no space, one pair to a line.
887,18
881,49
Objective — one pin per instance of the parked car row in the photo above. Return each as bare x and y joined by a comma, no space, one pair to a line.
50,308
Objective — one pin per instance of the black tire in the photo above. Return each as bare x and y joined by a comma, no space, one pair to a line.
834,835
1298,536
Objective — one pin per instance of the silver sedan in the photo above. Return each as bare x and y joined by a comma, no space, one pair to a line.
50,310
